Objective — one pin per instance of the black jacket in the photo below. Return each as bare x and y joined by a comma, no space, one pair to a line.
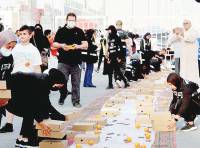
30,95
6,66
182,98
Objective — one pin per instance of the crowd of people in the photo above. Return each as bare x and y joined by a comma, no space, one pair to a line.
24,65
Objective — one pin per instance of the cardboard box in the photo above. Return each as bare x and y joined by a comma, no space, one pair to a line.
54,125
53,144
3,85
84,126
71,134
85,138
159,116
143,120
72,116
56,135
98,120
5,94
163,125
110,112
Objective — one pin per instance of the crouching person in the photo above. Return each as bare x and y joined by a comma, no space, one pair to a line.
182,104
30,100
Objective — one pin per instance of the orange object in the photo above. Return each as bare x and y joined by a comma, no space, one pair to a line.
148,136
146,129
97,132
137,145
78,146
90,142
128,140
137,125
143,146
98,127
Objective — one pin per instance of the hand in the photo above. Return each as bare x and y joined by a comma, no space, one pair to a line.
108,61
177,117
45,128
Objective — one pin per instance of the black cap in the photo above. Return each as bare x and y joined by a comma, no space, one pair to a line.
56,76
111,27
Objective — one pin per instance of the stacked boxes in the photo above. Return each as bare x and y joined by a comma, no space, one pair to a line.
5,94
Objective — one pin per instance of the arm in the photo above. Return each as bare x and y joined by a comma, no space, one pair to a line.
191,36
84,45
185,101
37,69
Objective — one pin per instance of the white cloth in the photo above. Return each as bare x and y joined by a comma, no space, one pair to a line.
176,44
25,58
189,68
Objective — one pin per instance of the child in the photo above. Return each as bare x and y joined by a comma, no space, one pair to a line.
26,59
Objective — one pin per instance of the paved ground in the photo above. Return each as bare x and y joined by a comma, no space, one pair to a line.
184,139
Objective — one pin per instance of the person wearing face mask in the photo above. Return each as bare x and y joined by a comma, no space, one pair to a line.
7,42
183,104
35,103
70,41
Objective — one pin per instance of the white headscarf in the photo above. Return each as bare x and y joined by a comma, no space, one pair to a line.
7,37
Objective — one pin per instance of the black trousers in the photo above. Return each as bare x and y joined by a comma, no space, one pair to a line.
100,59
188,116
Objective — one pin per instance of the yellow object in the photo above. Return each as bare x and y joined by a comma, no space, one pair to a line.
78,146
97,131
137,145
143,146
128,140
137,125
146,129
90,142
98,127
147,136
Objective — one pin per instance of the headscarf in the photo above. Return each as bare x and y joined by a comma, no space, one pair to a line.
7,37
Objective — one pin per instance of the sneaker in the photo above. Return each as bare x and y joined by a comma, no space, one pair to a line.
188,127
18,143
109,87
126,85
118,83
77,105
7,128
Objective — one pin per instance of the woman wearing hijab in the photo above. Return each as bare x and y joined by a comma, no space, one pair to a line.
42,44
112,57
7,42
145,48
182,104
91,57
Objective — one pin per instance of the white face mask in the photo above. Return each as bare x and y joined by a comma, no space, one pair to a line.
5,52
71,24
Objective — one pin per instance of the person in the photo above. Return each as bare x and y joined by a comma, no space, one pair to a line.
91,57
182,104
70,40
26,59
125,46
102,48
145,48
112,58
42,44
35,103
7,42
175,41
189,66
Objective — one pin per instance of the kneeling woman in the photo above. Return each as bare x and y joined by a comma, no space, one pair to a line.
182,104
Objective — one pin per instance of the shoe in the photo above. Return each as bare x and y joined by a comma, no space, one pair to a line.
126,85
188,127
62,98
77,105
92,86
7,128
118,82
18,143
109,87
